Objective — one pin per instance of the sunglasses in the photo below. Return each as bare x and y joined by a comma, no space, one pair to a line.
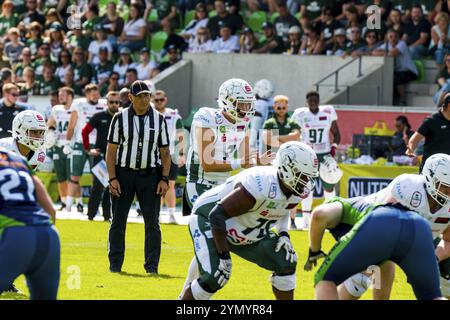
65,56
79,53
160,100
14,94
45,48
114,78
114,101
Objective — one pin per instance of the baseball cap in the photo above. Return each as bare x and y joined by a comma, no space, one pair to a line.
172,47
247,30
56,26
294,30
340,32
125,50
139,87
223,24
103,49
267,25
145,49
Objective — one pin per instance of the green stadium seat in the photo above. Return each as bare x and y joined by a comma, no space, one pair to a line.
212,13
157,41
297,15
421,68
274,16
262,38
153,16
256,20
188,17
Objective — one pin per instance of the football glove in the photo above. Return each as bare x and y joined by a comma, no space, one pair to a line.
50,139
67,149
223,272
313,256
285,243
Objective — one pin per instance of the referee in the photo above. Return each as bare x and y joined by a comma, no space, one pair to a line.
138,143
436,131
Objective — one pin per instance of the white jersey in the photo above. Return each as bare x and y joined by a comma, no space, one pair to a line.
35,159
315,128
409,190
172,117
85,111
271,207
227,140
62,117
262,108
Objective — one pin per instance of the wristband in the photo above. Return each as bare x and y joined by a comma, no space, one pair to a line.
284,234
165,179
112,179
224,255
235,164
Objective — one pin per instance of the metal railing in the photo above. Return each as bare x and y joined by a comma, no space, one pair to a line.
336,74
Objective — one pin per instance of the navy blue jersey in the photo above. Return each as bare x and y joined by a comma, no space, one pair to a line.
18,206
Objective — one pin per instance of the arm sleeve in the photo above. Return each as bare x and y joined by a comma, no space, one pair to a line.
114,134
85,135
163,137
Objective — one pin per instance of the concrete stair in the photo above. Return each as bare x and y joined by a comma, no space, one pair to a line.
421,93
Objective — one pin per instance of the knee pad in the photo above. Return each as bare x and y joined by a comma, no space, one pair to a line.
285,282
198,292
357,284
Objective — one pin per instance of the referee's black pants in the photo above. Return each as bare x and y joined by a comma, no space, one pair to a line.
144,186
99,193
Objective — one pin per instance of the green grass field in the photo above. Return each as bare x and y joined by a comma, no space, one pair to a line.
84,248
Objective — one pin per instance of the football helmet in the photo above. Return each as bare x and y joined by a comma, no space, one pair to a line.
297,167
329,170
436,172
237,99
28,128
264,89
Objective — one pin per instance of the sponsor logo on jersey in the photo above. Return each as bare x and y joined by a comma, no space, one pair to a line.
41,156
259,183
202,118
224,138
272,190
264,213
323,118
442,220
416,199
327,110
223,129
272,205
219,119
240,128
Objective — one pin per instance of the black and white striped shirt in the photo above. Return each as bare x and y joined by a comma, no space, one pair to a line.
139,138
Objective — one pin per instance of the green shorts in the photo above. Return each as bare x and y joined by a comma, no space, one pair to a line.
191,192
61,163
78,160
261,253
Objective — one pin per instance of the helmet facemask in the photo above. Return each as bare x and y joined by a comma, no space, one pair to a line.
33,139
300,183
439,195
239,109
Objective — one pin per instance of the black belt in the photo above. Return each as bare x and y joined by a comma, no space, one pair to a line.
152,170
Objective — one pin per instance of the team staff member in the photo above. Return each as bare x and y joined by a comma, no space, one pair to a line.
138,144
100,121
8,109
436,131
280,129
174,126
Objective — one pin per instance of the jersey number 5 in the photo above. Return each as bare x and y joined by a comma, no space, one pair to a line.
16,185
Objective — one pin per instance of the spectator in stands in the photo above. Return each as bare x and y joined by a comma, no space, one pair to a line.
227,43
200,20
248,41
56,40
261,5
124,98
112,23
34,38
440,36
68,80
312,9
133,34
6,76
14,47
352,17
234,21
32,13
167,14
125,62
48,82
146,65
25,61
400,140
173,39
112,84
43,56
174,57
395,22
63,64
339,46
284,21
295,40
82,71
272,43
328,24
103,69
51,17
201,42
130,76
371,44
28,85
8,109
8,18
417,33
443,79
311,42
356,42
92,19
404,68
76,39
100,41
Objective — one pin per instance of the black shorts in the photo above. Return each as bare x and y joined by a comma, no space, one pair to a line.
173,174
404,77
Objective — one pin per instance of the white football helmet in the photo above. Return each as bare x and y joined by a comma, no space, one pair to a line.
329,170
25,122
264,89
297,167
236,98
436,172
